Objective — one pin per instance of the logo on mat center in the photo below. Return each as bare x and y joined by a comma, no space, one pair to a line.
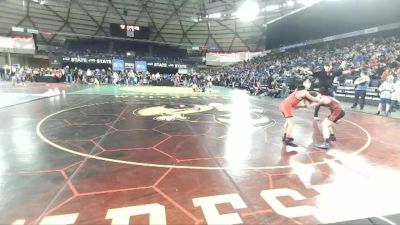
173,112
223,113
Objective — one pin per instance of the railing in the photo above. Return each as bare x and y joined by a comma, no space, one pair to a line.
348,90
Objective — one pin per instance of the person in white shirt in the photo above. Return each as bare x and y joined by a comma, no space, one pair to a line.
131,76
177,80
385,94
115,77
158,77
89,75
396,94
209,82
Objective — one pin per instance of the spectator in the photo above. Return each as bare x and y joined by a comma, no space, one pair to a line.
395,95
361,90
385,93
76,75
67,74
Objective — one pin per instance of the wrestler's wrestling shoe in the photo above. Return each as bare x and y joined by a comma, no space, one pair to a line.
332,137
323,145
289,142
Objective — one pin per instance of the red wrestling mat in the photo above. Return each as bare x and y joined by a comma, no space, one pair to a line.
107,160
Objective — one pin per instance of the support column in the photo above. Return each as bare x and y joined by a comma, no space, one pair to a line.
8,76
26,63
66,45
9,59
150,50
111,47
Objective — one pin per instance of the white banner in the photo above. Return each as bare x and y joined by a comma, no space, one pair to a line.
220,59
24,45
6,42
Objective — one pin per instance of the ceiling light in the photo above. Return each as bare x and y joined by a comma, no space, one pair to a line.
216,15
290,3
308,2
248,11
270,8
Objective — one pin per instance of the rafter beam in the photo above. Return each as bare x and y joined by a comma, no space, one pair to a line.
116,10
90,16
231,44
259,42
179,18
187,31
138,16
21,21
234,37
64,20
211,36
102,22
175,12
144,5
236,34
208,38
55,34
34,26
215,41
157,4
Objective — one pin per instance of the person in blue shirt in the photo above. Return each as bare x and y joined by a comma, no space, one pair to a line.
361,90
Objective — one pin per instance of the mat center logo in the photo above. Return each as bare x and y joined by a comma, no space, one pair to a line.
172,112
226,114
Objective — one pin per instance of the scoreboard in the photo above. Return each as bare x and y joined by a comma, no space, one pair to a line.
129,31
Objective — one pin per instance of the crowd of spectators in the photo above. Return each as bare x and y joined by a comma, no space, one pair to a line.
123,50
330,63
20,75
324,66
130,77
107,76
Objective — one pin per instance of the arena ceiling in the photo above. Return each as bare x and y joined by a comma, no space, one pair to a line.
180,22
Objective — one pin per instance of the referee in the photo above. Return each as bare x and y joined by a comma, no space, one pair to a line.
325,78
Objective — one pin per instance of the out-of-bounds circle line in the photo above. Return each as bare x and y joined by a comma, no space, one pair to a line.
40,134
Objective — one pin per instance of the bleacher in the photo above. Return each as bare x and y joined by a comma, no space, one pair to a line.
346,91
84,47
349,91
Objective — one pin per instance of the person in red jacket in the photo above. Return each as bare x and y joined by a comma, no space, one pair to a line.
57,74
298,99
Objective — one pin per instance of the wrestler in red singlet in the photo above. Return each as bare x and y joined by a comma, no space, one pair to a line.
289,104
337,113
336,109
287,107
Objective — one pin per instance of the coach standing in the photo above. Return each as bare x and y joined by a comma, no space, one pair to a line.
325,80
361,90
